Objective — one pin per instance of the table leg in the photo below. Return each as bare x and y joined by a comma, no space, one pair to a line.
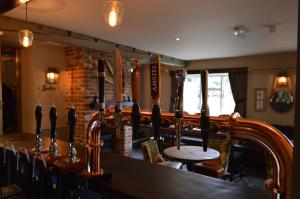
189,166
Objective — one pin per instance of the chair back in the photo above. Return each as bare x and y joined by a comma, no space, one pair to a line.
223,147
167,137
151,152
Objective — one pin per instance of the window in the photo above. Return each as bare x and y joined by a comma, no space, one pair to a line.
220,99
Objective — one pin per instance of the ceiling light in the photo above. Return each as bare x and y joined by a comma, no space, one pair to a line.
240,31
113,12
272,28
1,32
26,36
23,1
177,39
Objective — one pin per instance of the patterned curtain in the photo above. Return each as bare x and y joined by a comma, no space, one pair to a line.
238,82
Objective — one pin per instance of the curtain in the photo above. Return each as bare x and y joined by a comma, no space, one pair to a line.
238,82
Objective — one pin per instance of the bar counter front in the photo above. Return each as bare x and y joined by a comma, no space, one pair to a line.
128,178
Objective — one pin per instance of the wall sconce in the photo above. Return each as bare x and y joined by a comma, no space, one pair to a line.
52,78
282,79
282,98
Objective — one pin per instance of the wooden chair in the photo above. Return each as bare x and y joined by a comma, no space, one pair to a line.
167,137
215,168
152,155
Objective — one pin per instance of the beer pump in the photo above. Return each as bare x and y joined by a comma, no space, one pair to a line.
204,120
72,153
155,94
180,75
135,85
38,147
94,130
53,151
118,84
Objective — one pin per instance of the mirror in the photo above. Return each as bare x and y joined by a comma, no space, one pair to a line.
282,100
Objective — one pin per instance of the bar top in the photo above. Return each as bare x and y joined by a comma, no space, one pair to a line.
139,179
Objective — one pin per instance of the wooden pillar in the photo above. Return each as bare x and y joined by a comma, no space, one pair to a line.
155,82
136,88
122,140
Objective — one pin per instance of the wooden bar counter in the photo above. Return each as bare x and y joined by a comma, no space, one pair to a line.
137,179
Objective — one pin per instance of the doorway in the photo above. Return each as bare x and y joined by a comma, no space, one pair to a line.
10,68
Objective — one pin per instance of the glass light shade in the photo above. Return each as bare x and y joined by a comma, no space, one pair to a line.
26,38
113,12
23,1
52,76
281,80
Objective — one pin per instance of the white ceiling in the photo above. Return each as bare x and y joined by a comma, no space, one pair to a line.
203,26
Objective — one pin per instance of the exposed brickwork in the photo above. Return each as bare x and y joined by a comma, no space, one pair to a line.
82,85
123,143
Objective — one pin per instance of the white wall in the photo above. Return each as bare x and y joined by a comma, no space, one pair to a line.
34,64
262,69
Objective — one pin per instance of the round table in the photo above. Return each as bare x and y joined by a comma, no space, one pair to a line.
191,154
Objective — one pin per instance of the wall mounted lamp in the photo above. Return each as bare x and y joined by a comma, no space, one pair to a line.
282,98
282,80
52,76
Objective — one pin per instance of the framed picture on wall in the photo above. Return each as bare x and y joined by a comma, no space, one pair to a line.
260,99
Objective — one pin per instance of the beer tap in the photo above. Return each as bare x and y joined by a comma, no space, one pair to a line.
135,86
204,120
4,150
38,147
18,156
180,75
94,130
118,84
72,158
155,94
53,146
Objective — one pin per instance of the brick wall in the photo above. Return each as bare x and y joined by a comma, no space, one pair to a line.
82,85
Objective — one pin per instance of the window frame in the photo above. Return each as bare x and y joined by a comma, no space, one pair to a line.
218,70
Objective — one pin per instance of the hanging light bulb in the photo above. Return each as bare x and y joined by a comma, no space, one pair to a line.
113,12
26,36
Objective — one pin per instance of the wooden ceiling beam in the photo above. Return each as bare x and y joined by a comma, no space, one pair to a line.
11,26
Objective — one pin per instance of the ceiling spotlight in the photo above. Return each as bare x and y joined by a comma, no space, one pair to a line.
240,31
271,28
177,39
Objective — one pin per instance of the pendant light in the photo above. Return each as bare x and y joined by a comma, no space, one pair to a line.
26,36
113,12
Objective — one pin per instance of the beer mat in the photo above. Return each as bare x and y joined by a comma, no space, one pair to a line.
10,191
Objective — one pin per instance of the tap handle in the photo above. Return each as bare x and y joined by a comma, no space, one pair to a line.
101,78
71,122
38,118
53,118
